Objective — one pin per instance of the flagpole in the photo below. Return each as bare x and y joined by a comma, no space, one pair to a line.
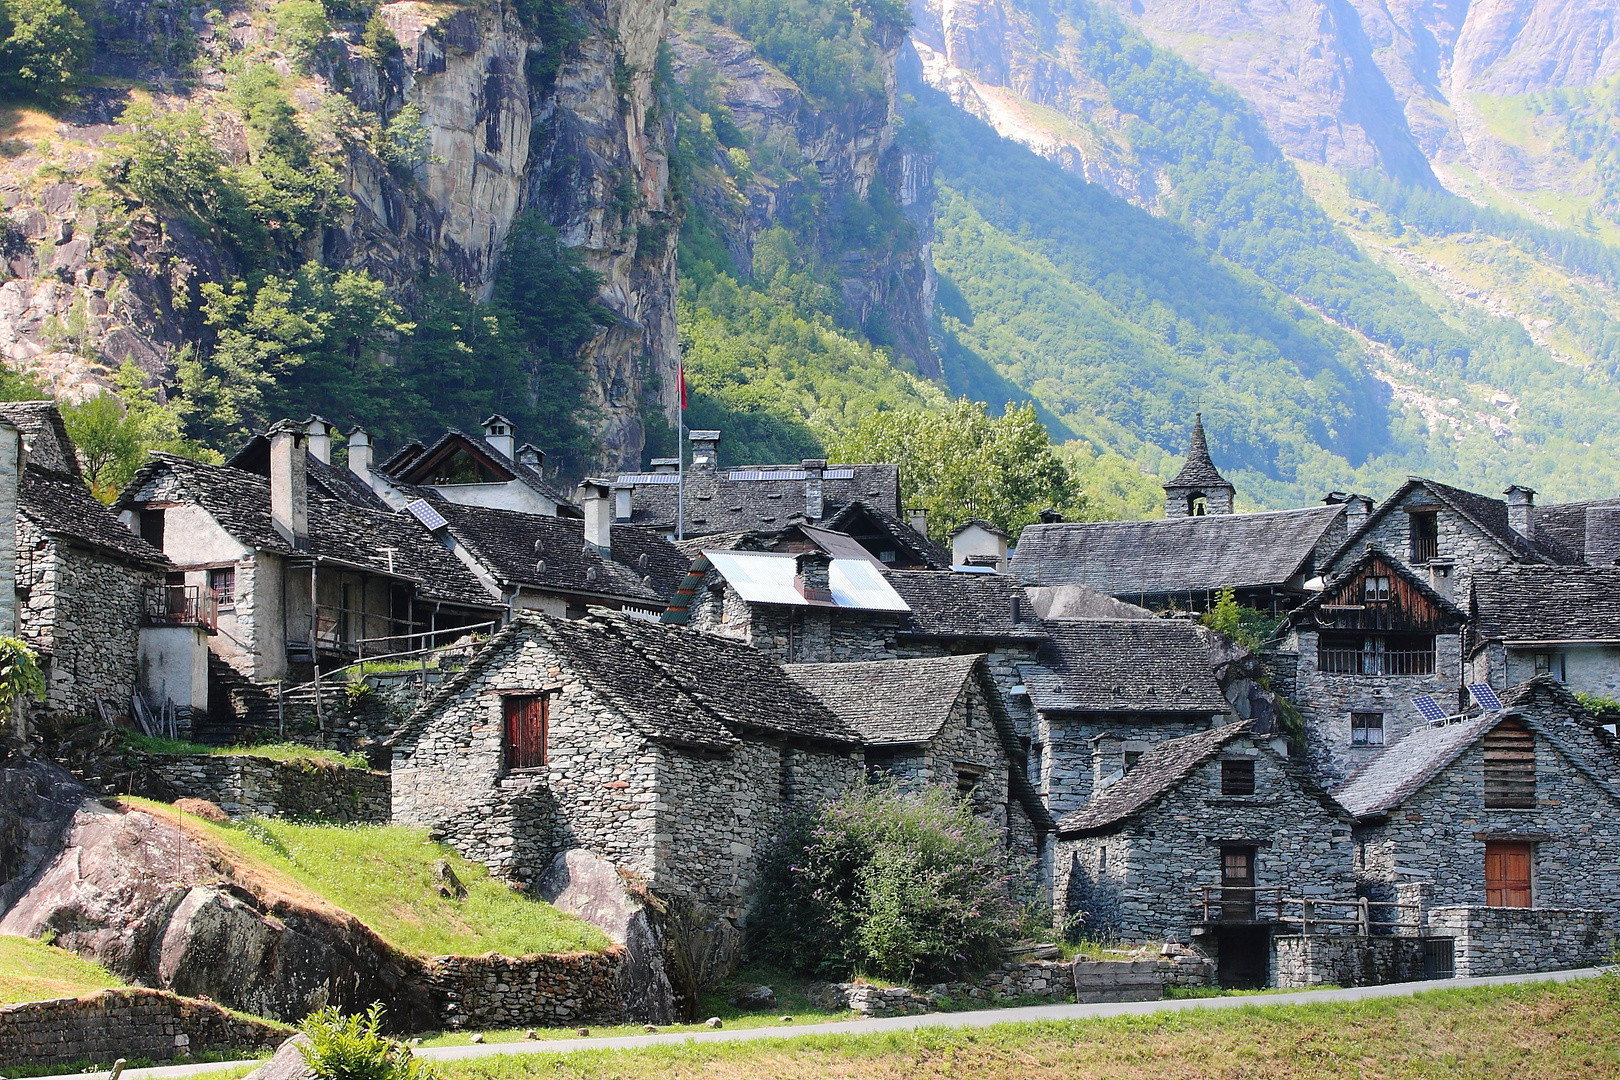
680,463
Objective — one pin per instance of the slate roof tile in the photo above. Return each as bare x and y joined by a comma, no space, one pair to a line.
1123,665
1160,769
890,702
945,603
1489,515
64,507
1547,603
1198,470
49,447
715,503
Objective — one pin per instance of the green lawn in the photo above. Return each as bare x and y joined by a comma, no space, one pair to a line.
383,875
1540,1031
34,971
274,751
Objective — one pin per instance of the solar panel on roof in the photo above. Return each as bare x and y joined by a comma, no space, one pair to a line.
1484,696
648,478
1429,709
423,511
839,474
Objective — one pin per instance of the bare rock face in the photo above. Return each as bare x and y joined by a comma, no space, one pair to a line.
589,886
156,906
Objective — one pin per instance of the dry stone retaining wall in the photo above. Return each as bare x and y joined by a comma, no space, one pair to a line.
1508,941
477,992
246,785
1305,960
111,1024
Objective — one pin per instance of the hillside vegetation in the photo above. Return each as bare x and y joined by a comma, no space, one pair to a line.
383,875
35,971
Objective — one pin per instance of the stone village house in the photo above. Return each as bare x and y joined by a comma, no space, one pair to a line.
669,752
468,470
1357,653
1561,621
1203,839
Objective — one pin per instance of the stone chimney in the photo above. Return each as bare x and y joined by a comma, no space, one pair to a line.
360,454
289,483
12,463
1521,508
531,455
815,502
813,578
917,516
320,439
668,466
1107,760
705,451
1050,516
594,498
1357,509
498,433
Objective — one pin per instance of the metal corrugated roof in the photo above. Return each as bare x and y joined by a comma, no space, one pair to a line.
762,577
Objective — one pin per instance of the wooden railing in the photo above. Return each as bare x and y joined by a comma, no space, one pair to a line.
1270,903
1365,662
1425,548
180,605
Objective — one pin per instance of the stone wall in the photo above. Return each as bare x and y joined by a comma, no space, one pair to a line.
1305,960
245,785
111,1024
1140,882
1071,765
82,612
1438,835
483,992
1509,941
1459,540
1327,699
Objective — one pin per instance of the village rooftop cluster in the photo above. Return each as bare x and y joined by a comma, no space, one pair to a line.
1294,810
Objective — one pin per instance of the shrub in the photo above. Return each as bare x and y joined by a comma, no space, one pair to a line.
303,28
44,45
887,883
354,1048
1249,627
20,676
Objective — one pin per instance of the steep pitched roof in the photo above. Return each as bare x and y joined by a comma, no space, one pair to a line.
551,553
1160,769
1198,470
1589,531
411,465
1488,515
675,685
64,507
394,544
1405,768
758,497
1128,559
890,702
331,481
1547,603
1123,665
857,512
49,447
1375,554
945,603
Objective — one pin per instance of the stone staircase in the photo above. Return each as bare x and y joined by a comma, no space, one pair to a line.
236,705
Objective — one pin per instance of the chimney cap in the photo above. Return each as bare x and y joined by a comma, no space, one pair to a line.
704,436
1050,516
357,430
1522,489
970,523
657,461
810,463
316,418
494,418
599,486
287,427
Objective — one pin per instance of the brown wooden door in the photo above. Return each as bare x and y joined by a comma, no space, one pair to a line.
525,731
1507,875
1237,884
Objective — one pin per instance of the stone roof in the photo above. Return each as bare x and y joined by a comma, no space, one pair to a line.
1588,531
45,434
411,457
757,497
63,507
1547,603
672,684
1160,769
331,481
514,546
904,537
1166,557
1123,666
341,531
1198,470
1488,515
890,702
945,603
1404,768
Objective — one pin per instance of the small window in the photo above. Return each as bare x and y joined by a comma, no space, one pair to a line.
1510,767
527,719
966,782
223,581
1375,589
1131,758
1367,729
152,527
1102,860
887,556
1197,505
1550,664
1237,776
1425,536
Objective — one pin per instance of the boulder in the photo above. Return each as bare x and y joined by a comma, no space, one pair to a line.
287,1063
753,998
204,809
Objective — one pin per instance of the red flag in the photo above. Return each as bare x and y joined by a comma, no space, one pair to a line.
683,387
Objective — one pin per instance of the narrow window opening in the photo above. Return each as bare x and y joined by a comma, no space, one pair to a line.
1237,776
1510,767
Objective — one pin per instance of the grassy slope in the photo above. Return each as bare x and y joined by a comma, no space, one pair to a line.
273,751
383,875
34,971
1545,1031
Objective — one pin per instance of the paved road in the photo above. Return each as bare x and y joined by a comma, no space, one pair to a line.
983,1018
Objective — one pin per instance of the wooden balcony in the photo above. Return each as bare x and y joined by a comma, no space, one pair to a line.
1369,662
180,605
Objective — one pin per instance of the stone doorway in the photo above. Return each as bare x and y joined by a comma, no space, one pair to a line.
1243,957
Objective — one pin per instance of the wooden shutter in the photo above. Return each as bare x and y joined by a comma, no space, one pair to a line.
526,719
1507,875
1510,767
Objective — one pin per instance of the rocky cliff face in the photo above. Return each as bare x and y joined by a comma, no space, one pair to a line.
94,283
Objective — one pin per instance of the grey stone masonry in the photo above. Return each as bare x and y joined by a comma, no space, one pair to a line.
1306,960
481,992
246,785
135,1023
1508,941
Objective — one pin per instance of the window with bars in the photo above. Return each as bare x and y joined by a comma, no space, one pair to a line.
1237,776
527,720
1425,536
1367,729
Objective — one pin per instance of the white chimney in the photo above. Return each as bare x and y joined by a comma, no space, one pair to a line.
1521,510
705,451
499,434
1357,509
360,454
917,516
289,483
815,502
623,504
12,463
320,439
978,543
593,498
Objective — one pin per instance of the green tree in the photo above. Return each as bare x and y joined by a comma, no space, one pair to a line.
44,47
115,430
963,463
303,28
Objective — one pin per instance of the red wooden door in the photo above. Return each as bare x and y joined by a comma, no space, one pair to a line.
525,732
1507,875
